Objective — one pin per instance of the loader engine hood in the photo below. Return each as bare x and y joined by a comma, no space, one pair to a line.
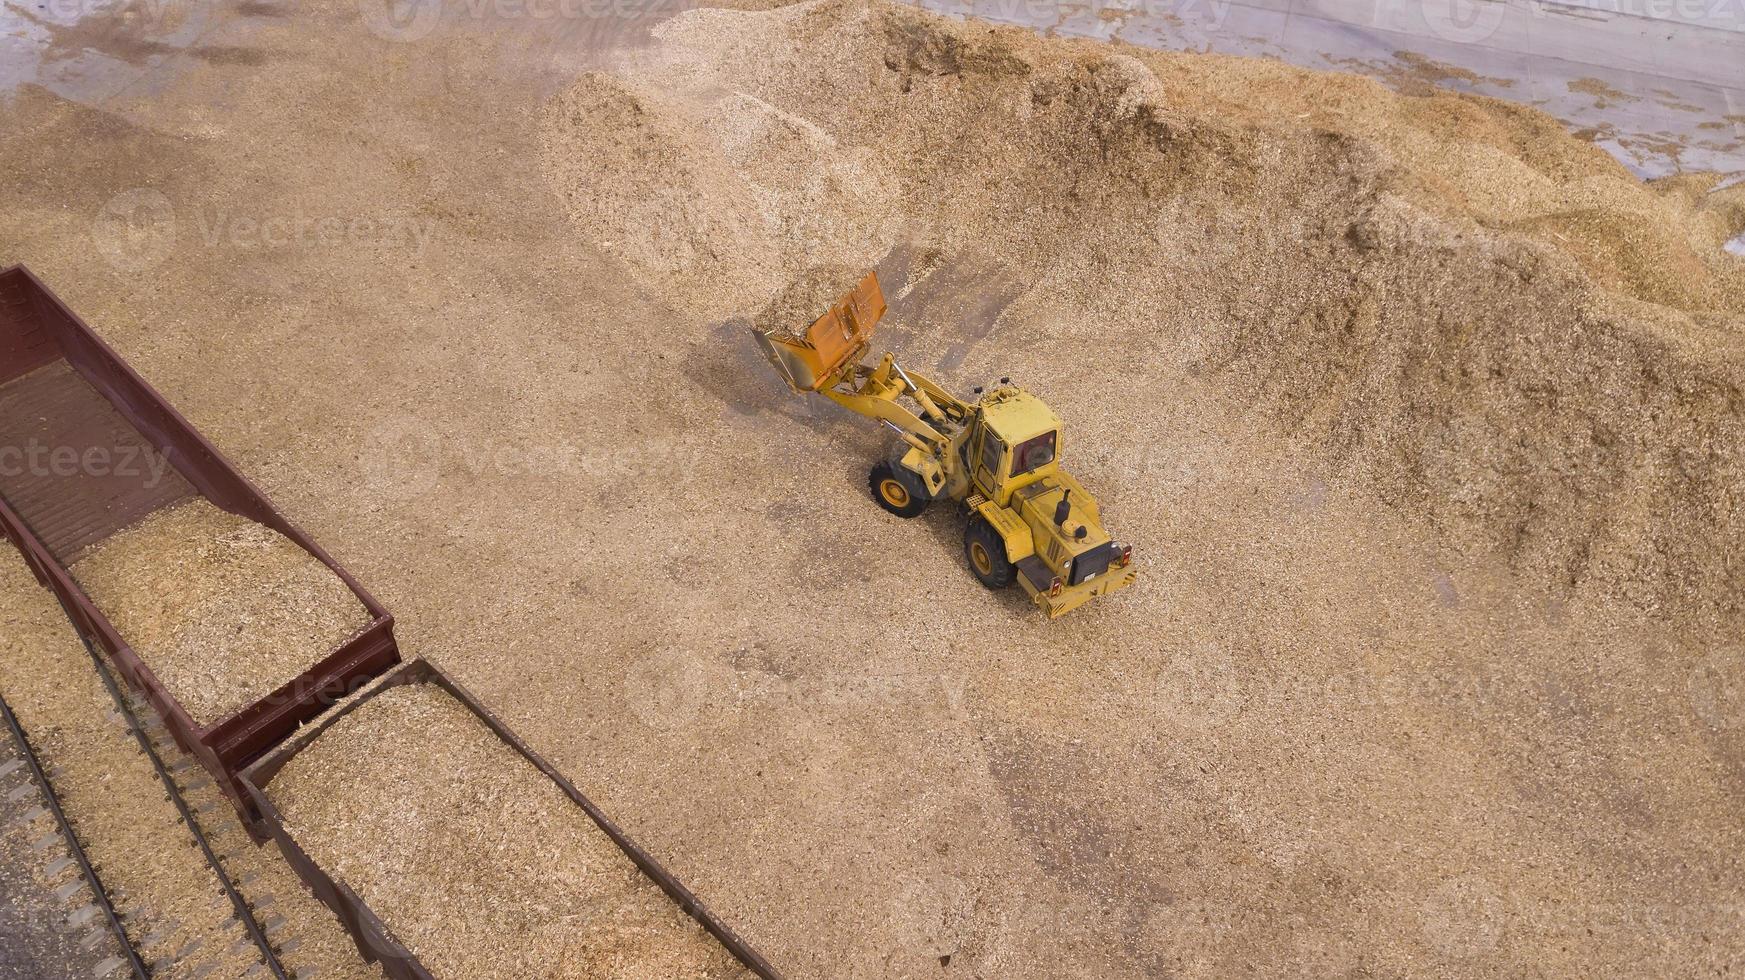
1077,549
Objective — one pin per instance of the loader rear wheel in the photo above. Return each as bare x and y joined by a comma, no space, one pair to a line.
897,490
987,554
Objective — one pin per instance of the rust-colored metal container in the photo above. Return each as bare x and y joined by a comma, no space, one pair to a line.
67,400
375,940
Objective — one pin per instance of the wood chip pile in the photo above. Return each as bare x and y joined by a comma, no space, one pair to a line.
475,860
223,610
1315,235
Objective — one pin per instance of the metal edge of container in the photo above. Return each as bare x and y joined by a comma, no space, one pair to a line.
372,939
372,936
226,746
256,728
92,624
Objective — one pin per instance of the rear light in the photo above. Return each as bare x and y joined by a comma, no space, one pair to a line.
1054,587
1125,556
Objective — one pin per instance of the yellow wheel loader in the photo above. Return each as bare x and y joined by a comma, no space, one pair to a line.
1029,521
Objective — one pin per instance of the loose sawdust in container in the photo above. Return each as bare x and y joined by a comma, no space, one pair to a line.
807,298
223,610
472,857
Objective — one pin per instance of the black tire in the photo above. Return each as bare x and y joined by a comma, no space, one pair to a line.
897,490
986,554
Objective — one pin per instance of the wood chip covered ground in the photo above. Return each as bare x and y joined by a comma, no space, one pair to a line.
1421,412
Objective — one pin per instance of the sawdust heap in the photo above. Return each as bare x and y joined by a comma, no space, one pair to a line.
479,864
222,609
715,216
1490,319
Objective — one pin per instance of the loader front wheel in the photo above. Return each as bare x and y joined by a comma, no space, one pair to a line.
897,490
987,554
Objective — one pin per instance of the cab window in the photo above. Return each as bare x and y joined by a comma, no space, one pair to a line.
1033,454
991,450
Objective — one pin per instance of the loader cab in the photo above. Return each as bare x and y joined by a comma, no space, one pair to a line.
1016,442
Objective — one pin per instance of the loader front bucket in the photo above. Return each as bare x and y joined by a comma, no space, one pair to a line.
809,361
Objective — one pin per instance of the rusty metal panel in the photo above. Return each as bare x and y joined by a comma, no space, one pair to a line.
375,939
72,466
25,344
848,324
